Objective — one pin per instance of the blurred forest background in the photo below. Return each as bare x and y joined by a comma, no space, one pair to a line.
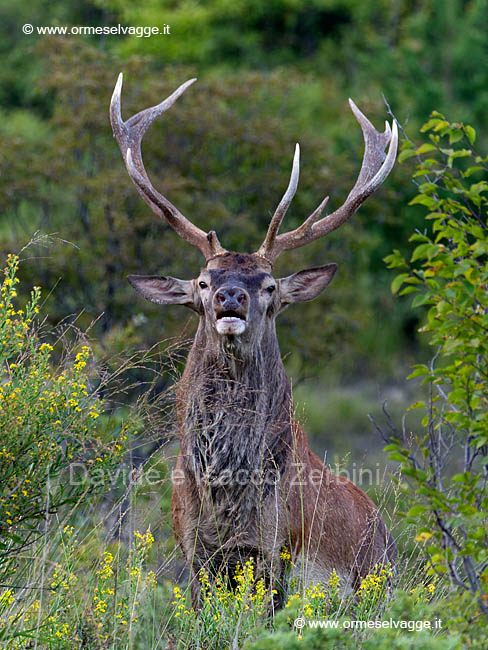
269,74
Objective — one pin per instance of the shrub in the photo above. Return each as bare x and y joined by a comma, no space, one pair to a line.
49,423
445,463
52,424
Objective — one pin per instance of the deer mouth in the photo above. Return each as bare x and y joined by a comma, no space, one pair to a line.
230,322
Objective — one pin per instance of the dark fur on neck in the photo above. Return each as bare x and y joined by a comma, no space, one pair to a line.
236,422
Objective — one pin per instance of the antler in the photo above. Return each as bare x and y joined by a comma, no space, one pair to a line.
129,135
374,170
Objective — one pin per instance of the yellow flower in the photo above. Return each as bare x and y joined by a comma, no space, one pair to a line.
151,578
285,554
334,579
101,606
145,539
6,598
106,570
423,537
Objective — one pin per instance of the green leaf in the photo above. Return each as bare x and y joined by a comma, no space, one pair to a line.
423,199
395,260
416,510
470,133
416,405
472,170
442,124
419,371
459,478
398,281
407,290
418,236
405,155
420,251
424,148
397,456
420,299
428,188
462,153
455,136
435,122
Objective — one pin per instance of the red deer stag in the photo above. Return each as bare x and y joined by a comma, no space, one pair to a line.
246,482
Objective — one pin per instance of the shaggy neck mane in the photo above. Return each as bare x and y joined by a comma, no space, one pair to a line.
236,409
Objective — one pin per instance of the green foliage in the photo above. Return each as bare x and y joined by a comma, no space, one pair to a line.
420,613
237,615
53,425
448,274
101,609
227,614
419,54
50,423
244,30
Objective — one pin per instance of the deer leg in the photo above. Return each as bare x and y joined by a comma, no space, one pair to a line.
195,589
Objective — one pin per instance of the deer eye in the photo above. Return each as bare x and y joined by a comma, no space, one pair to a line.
203,285
271,288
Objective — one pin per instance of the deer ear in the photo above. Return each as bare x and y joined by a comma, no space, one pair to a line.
306,285
163,290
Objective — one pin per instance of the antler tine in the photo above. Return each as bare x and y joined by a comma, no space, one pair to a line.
129,136
283,206
375,168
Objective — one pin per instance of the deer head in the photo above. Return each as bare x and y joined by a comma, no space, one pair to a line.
236,294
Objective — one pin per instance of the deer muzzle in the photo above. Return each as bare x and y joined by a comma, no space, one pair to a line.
231,305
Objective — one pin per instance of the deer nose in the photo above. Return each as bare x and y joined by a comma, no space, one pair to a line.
231,297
